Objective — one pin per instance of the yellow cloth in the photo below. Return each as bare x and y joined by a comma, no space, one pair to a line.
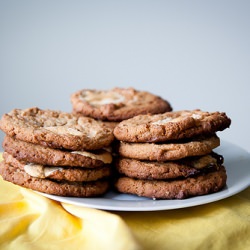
222,225
31,221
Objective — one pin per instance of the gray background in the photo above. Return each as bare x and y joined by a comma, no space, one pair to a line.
195,54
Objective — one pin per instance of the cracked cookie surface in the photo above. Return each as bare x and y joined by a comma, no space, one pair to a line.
56,129
171,126
117,104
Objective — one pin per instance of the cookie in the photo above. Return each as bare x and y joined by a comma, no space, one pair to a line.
171,126
39,154
174,189
56,129
111,125
58,173
152,170
117,104
61,188
168,151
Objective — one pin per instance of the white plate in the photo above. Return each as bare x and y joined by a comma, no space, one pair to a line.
237,163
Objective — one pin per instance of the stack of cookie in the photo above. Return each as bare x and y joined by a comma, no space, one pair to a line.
118,104
56,153
170,156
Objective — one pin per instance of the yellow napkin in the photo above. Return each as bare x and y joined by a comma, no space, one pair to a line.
31,221
222,225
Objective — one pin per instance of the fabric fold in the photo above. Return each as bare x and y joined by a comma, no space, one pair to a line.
219,225
31,221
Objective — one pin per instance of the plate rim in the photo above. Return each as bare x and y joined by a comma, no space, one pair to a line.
110,204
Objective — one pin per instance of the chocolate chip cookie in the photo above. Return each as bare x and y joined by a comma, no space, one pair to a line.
157,170
168,151
171,126
61,188
39,154
174,189
58,172
117,104
56,129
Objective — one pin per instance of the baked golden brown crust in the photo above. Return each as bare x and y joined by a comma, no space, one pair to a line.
175,189
58,173
154,170
63,188
117,104
168,151
39,154
56,129
171,126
